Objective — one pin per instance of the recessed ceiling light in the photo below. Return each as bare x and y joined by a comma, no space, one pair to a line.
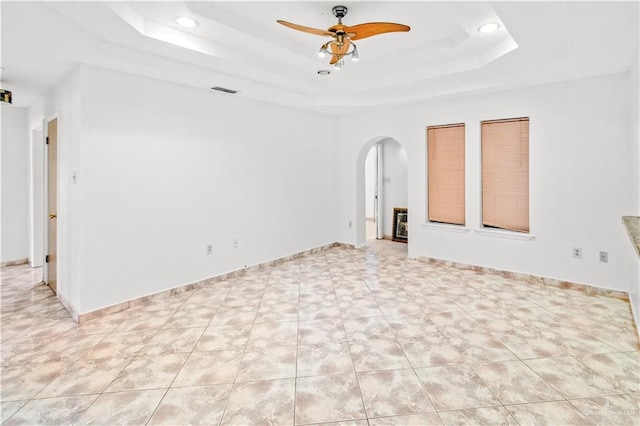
488,28
186,22
324,72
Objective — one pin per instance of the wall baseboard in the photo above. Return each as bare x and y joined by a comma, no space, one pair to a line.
69,307
533,279
14,262
87,316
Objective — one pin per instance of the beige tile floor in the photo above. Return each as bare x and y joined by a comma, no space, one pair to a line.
343,336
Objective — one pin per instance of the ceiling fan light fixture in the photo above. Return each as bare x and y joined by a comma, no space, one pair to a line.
488,28
343,35
354,55
186,22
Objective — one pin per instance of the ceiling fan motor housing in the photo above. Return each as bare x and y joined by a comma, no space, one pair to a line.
339,11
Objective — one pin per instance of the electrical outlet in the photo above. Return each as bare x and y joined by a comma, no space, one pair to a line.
577,252
604,256
209,248
235,243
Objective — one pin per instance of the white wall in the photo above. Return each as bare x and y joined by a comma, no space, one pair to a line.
164,170
36,197
395,182
634,160
15,169
64,103
580,174
168,169
36,202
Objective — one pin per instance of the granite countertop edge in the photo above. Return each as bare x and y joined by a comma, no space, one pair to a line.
632,224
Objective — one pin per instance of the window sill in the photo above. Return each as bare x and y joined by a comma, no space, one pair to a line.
445,227
499,233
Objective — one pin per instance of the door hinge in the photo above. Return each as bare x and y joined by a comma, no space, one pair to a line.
47,141
46,259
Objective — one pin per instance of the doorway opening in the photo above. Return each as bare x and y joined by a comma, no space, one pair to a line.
381,186
373,193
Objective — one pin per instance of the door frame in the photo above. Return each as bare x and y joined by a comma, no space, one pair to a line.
36,195
379,191
45,192
359,235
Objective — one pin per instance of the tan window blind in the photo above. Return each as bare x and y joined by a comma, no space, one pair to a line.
445,173
505,174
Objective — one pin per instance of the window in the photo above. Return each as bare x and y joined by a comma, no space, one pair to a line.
445,174
505,174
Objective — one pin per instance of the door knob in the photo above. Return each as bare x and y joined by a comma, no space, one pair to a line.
52,216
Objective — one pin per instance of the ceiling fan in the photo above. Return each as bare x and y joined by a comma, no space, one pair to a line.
343,36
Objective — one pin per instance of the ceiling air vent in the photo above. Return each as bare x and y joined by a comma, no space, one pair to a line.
225,90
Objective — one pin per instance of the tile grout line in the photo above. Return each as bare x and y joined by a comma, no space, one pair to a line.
476,373
466,362
607,311
120,372
333,285
408,360
244,351
184,362
295,379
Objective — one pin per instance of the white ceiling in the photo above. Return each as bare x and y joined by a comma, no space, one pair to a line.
239,45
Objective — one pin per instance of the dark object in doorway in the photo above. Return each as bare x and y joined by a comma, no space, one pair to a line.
400,225
5,96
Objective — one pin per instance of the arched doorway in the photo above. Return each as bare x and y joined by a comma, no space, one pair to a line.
391,185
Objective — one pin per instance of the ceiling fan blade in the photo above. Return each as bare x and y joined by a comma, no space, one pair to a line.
338,51
374,28
304,29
